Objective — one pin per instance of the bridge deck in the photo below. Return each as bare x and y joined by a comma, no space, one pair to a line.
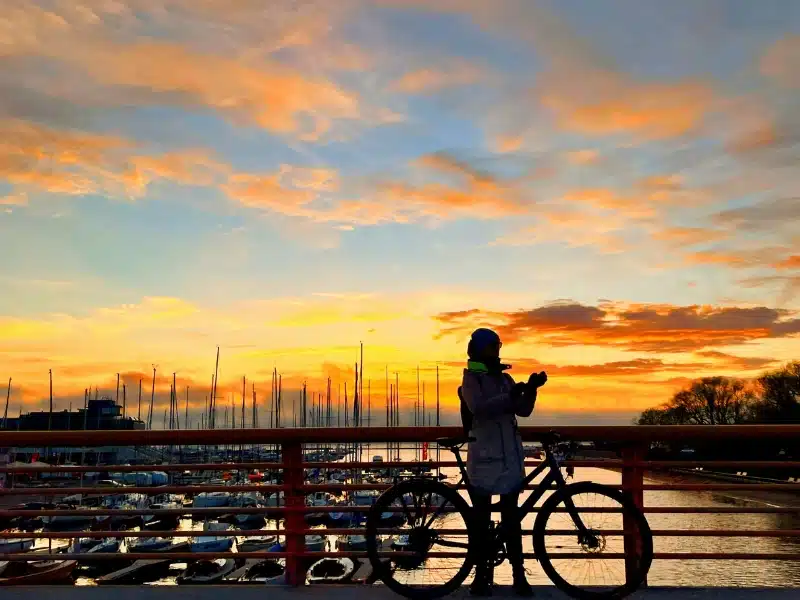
251,592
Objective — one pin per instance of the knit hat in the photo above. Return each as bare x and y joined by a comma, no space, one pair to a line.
480,339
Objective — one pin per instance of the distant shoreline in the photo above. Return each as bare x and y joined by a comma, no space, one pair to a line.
769,498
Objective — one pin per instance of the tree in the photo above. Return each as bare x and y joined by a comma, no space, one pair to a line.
780,395
707,401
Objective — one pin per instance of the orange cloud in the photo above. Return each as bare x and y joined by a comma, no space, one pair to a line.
689,236
635,327
741,258
266,192
273,96
737,363
243,78
16,199
791,262
605,198
781,61
583,157
710,257
603,103
294,192
430,80
77,163
483,200
508,143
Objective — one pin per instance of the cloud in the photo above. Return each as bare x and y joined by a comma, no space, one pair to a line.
791,262
569,228
636,367
308,193
267,192
15,199
781,61
450,165
428,80
77,163
762,214
583,157
790,285
276,73
739,258
602,103
739,363
604,218
508,143
689,236
270,95
633,327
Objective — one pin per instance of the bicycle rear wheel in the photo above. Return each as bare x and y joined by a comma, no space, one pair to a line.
591,564
429,554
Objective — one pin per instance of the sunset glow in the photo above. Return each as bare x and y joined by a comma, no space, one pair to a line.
611,186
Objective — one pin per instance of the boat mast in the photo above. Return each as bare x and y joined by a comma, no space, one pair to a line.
8,399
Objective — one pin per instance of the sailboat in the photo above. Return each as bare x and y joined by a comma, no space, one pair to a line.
212,543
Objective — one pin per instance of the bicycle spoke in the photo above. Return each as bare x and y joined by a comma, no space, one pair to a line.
451,543
414,566
592,524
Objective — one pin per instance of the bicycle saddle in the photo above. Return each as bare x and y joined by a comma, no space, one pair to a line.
454,442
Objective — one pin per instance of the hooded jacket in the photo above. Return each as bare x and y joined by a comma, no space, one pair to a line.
495,461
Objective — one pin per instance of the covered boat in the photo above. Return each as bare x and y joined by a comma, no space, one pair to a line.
212,543
206,571
256,544
265,571
149,544
331,570
16,545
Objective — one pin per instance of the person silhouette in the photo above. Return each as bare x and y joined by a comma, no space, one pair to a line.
490,402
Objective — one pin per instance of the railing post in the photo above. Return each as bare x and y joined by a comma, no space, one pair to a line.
292,454
632,482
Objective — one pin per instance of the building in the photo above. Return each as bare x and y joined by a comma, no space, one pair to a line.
101,413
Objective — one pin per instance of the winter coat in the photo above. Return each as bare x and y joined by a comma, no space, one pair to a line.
495,459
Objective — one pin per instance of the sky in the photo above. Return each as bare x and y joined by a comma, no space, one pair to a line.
611,186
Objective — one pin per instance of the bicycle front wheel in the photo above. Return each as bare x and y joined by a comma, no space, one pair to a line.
418,539
582,537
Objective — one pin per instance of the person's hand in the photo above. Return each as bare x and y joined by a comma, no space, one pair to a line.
537,380
518,390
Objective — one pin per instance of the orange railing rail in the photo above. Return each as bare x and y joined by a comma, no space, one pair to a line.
632,441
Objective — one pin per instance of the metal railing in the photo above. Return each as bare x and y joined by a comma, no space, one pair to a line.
633,443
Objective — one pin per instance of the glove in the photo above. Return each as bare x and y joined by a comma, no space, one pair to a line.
537,380
518,390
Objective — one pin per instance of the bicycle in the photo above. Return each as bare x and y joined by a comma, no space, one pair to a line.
431,509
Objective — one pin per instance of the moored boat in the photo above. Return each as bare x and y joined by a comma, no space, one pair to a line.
8,546
206,571
331,570
256,544
149,544
212,543
211,499
265,571
95,546
36,572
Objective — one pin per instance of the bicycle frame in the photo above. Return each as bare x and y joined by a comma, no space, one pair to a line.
554,476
